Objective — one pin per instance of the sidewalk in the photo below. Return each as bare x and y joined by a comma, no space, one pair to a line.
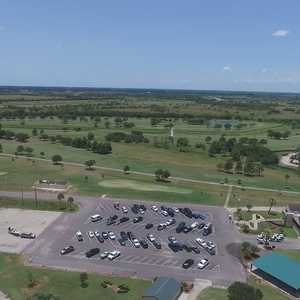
199,286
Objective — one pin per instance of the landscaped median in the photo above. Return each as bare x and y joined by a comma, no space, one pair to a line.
24,282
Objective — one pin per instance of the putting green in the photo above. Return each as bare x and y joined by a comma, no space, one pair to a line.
142,186
3,173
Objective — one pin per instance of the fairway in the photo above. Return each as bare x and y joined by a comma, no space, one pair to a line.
141,186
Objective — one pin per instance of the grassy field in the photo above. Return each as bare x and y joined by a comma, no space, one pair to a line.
294,254
14,281
22,173
241,197
268,291
38,205
145,157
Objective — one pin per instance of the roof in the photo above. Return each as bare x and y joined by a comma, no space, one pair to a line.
281,267
163,288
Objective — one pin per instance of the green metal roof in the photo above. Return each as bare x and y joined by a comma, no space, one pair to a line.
163,288
281,267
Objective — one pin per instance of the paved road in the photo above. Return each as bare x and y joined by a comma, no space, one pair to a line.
175,178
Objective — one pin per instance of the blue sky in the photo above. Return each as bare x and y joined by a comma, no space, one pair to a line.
191,44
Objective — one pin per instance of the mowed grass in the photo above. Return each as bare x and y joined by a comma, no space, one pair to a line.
145,157
14,279
147,187
241,197
22,173
269,292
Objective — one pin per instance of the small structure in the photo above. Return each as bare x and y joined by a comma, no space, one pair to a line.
292,214
163,288
280,271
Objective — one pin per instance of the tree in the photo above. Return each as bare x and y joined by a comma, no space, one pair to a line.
1,149
126,169
182,144
220,166
90,136
249,207
34,132
60,196
43,296
83,279
70,200
208,139
90,163
20,149
162,175
239,167
107,124
244,291
22,137
56,159
248,250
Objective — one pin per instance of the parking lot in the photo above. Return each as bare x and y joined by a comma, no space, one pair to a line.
23,221
136,260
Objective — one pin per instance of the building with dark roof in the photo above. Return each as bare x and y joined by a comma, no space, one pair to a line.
163,288
279,270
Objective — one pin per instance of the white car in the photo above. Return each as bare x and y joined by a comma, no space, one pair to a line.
136,243
164,213
91,234
96,218
79,236
114,254
176,210
104,254
97,234
203,263
201,242
154,208
151,237
125,210
194,225
111,235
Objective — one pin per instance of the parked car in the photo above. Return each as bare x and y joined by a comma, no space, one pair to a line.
13,231
137,219
92,252
113,255
144,244
122,242
207,229
27,235
151,237
79,236
67,250
117,205
123,220
104,254
111,235
203,263
96,218
136,243
154,208
105,235
91,234
148,226
124,209
156,244
188,263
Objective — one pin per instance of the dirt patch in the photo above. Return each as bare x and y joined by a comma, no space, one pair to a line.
3,173
142,186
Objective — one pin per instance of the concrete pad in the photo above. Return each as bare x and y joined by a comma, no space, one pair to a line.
24,221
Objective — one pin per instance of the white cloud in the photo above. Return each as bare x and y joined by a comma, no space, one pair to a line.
227,69
264,70
280,33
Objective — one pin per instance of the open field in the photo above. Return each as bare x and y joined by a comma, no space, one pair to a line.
22,173
14,280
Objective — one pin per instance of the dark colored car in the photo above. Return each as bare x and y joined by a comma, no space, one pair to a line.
188,263
117,206
123,235
144,244
67,250
161,227
27,235
105,235
122,242
100,239
170,211
130,235
201,225
149,226
137,219
92,252
187,248
123,220
180,227
195,249
156,244
110,221
114,217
